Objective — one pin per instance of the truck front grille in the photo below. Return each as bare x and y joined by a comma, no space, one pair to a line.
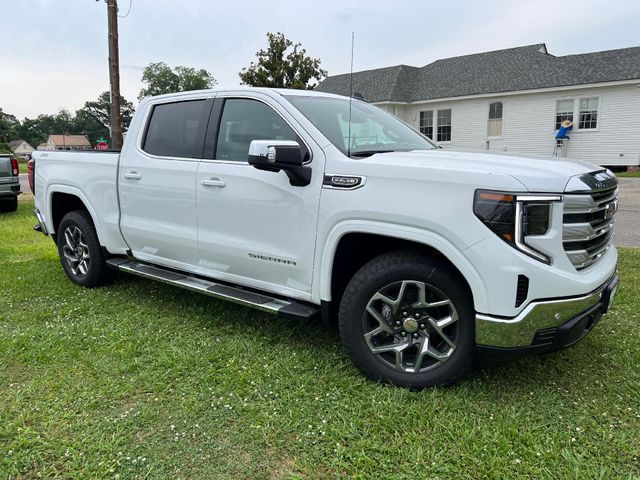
588,225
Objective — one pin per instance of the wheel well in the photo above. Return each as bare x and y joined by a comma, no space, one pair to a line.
356,249
61,204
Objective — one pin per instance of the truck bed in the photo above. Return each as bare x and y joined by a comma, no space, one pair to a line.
90,175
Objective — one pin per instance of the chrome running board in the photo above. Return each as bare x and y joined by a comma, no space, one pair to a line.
260,301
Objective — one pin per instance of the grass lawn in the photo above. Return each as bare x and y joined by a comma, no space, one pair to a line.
628,174
22,167
142,380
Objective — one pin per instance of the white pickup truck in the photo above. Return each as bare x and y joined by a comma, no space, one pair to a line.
308,204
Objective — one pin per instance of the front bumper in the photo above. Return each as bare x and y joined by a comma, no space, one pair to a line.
546,325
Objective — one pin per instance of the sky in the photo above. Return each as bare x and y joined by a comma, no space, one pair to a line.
53,53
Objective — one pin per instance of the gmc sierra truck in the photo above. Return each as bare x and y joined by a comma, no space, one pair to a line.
9,183
305,204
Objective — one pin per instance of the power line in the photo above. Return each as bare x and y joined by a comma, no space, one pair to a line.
128,11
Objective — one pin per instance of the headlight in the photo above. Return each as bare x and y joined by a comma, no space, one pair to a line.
516,217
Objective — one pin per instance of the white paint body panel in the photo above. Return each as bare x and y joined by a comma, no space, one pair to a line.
168,217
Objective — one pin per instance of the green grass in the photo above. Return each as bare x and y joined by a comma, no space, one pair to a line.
142,380
628,174
22,167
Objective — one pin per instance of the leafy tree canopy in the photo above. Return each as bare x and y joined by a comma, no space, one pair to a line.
283,65
8,124
160,78
96,115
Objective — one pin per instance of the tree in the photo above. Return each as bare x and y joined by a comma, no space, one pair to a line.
94,118
8,125
274,69
161,78
36,130
86,124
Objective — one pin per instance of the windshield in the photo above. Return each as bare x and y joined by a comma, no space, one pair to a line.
372,130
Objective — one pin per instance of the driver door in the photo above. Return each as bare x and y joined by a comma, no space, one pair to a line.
254,227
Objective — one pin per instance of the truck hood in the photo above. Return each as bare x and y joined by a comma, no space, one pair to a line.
535,173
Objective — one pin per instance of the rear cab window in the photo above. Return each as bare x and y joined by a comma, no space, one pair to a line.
176,129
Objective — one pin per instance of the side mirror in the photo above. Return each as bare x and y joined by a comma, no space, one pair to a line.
276,155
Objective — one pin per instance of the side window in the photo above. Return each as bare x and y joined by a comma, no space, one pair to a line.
588,113
244,120
444,125
494,126
564,111
426,123
173,130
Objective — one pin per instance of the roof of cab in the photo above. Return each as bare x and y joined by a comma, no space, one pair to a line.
268,91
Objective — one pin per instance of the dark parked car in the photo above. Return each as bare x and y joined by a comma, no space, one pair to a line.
9,183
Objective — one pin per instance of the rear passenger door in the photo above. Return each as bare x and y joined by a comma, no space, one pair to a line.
157,181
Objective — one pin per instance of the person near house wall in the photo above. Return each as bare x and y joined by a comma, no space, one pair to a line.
565,127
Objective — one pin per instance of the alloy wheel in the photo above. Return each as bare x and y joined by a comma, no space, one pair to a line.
76,251
411,326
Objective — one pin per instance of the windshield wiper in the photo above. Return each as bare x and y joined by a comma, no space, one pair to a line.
368,153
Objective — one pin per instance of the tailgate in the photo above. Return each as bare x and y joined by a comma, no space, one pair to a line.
5,166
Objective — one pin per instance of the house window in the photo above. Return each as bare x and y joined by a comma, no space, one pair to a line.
588,113
444,125
564,111
494,127
426,123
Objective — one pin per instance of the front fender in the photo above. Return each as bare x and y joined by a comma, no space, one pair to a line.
324,265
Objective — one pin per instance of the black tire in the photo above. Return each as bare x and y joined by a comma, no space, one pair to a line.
410,270
9,204
94,270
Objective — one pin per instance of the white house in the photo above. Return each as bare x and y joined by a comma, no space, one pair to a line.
513,100
21,148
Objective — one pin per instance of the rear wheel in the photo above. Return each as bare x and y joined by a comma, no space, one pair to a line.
80,253
407,319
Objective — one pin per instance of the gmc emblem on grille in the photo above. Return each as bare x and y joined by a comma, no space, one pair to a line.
610,209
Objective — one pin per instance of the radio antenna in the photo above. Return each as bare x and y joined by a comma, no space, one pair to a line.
350,95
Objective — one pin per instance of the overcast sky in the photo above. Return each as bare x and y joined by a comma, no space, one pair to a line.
53,53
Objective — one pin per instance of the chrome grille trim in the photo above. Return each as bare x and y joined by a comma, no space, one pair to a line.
588,203
583,232
588,225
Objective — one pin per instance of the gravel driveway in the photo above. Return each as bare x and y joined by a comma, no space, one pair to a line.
627,229
24,183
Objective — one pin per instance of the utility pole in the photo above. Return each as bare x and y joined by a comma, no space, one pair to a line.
114,75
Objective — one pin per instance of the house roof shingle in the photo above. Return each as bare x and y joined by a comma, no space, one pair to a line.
520,68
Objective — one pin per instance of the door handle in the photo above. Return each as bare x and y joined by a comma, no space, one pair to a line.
213,182
132,176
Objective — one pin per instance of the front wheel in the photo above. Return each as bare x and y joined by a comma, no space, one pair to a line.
80,253
407,319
